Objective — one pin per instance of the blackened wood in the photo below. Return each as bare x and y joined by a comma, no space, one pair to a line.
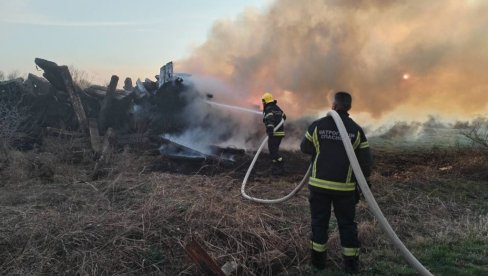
106,104
109,142
60,77
95,140
75,99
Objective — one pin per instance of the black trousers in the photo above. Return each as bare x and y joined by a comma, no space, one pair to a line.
273,147
344,210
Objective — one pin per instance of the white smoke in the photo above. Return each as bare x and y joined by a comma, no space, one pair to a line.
213,125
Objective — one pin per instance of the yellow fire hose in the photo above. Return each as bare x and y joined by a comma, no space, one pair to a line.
375,209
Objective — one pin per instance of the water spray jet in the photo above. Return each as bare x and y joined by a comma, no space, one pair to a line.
236,108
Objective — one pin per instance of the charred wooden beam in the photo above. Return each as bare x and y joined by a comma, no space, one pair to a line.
62,133
176,150
37,85
60,77
96,91
95,140
99,92
75,99
106,104
133,139
51,72
128,85
108,145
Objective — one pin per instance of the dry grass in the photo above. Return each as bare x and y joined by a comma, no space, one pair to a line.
136,221
136,224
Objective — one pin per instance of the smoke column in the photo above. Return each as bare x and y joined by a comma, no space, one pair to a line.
409,57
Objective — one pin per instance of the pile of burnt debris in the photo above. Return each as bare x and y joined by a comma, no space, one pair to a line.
106,116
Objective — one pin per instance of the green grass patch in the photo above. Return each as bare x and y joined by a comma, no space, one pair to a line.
452,258
458,258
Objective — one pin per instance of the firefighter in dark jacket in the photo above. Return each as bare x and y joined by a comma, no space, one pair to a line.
272,117
332,182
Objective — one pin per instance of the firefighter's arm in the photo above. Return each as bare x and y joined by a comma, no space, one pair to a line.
307,145
269,130
269,122
364,156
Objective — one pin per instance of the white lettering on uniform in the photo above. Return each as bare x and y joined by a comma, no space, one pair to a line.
333,134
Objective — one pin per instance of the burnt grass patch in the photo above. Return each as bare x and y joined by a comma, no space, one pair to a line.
138,217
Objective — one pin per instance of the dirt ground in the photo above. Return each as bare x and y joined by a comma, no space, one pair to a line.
137,217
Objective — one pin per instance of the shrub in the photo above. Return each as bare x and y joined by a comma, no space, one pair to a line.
11,119
80,77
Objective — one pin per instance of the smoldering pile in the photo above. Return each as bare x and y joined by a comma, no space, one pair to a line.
145,113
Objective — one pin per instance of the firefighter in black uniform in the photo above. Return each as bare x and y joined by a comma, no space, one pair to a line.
272,117
332,182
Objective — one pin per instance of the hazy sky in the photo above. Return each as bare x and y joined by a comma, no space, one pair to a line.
104,37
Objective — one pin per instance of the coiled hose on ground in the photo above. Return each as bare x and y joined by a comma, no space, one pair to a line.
375,209
269,201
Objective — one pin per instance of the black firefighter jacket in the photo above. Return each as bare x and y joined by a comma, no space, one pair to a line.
331,169
272,117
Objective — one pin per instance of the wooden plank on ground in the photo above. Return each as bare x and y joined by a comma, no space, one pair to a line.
200,257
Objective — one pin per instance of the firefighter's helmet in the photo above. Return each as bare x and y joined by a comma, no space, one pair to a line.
267,98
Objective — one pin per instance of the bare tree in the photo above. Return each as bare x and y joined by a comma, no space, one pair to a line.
2,76
478,133
80,77
14,75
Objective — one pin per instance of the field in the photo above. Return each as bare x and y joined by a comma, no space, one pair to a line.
138,216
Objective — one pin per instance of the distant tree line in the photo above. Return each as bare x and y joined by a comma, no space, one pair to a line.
10,76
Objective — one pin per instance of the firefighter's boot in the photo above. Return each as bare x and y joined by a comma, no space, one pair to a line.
351,264
278,168
318,260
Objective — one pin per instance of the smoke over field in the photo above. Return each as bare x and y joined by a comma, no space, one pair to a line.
421,57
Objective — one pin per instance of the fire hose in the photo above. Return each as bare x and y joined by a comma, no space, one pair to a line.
269,201
373,205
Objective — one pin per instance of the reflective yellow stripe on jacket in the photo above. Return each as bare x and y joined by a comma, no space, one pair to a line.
364,145
308,136
332,185
357,143
315,140
327,184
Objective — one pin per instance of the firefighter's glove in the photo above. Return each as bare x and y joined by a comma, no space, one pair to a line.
269,131
284,116
358,195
